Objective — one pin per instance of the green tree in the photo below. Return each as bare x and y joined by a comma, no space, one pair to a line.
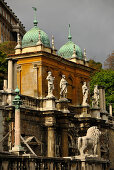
6,48
104,78
3,68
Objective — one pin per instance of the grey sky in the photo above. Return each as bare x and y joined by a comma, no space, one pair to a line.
92,22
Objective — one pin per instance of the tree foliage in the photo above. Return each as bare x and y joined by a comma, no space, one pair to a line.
109,62
5,49
96,65
8,47
3,68
104,78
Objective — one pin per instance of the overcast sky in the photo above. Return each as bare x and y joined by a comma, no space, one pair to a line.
92,22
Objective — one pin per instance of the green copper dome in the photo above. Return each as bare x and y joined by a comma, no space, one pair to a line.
66,50
32,36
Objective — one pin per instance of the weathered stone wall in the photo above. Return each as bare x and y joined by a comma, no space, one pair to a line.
32,125
1,130
111,147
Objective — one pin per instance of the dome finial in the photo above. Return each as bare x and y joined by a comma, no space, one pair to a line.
69,35
35,19
53,47
85,56
74,52
39,39
18,41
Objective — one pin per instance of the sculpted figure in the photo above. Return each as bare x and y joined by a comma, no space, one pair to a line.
85,92
88,144
50,84
95,102
63,87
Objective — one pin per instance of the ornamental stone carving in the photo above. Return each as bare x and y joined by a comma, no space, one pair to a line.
87,145
85,92
63,87
95,102
50,84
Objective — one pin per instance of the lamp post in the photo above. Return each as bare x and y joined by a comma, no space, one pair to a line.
17,102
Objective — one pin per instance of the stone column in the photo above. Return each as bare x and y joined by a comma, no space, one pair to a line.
110,109
17,102
10,74
101,95
51,142
49,122
64,142
17,127
104,101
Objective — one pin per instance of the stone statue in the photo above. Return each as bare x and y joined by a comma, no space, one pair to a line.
95,102
87,145
50,84
63,87
85,92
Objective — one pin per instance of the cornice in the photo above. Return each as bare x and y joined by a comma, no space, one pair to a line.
51,56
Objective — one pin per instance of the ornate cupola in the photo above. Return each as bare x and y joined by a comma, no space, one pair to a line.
66,51
32,36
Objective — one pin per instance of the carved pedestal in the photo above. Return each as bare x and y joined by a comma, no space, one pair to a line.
85,111
95,113
50,103
62,105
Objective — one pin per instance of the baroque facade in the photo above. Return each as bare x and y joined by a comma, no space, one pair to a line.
55,109
9,24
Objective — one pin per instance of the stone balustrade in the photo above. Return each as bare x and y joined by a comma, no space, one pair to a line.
30,102
27,101
10,162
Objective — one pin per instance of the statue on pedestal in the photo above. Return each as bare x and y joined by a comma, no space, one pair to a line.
63,87
85,92
50,84
88,144
95,102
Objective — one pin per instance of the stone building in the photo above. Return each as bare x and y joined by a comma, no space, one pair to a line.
9,24
52,117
